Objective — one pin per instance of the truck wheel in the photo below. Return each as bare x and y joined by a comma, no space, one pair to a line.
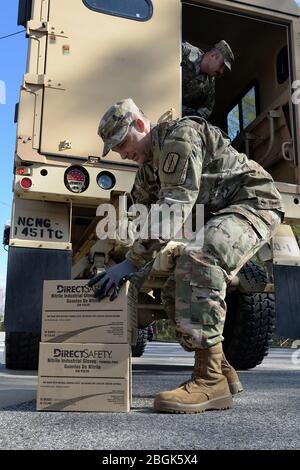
250,322
139,348
22,351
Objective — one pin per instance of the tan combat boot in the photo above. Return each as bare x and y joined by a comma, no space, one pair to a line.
230,373
208,390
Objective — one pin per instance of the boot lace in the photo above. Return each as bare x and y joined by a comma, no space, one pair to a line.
187,383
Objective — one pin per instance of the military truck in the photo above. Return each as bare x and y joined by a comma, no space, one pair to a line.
83,55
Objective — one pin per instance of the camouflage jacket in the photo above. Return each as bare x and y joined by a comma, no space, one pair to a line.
193,163
198,89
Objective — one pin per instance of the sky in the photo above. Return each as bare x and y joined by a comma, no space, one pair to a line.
13,56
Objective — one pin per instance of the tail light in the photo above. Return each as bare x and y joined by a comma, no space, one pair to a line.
25,183
23,171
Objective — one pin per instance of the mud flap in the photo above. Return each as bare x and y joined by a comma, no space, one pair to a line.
26,271
287,298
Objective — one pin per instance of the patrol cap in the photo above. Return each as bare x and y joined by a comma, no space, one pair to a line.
115,123
226,52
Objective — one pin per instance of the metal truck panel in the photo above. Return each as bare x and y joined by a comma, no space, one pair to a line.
90,58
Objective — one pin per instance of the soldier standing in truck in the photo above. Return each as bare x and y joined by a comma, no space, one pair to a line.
199,70
193,163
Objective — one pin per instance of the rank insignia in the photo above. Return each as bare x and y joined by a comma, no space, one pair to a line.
170,162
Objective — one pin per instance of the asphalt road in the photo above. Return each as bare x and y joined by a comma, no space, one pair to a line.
265,416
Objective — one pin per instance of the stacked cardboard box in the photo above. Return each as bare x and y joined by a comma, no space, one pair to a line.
85,362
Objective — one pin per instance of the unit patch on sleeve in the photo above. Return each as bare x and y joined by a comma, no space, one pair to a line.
170,162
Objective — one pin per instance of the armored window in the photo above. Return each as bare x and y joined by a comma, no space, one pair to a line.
248,104
282,65
233,122
243,112
140,10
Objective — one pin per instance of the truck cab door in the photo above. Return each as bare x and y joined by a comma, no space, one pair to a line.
96,56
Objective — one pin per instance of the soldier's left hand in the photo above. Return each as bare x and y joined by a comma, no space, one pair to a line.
109,282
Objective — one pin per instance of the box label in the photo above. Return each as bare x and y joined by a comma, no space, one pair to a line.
93,360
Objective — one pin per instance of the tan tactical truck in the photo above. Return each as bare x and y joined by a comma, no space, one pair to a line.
83,55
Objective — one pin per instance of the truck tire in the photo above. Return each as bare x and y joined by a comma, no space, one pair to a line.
22,351
250,322
139,348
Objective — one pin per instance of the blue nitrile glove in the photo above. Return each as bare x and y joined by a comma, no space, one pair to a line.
109,282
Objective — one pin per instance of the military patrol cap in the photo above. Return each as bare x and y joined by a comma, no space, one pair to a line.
226,52
115,123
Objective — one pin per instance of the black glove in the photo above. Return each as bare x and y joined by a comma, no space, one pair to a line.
109,282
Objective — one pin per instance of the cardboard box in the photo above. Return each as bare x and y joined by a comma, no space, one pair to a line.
83,394
72,314
84,377
84,360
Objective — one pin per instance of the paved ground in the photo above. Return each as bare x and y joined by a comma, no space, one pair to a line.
265,416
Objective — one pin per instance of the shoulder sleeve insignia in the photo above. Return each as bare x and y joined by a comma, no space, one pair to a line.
170,162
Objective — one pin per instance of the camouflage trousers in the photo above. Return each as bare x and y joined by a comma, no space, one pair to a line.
194,294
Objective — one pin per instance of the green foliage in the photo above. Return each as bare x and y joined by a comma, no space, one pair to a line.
243,113
281,342
296,231
248,107
233,122
165,331
1,323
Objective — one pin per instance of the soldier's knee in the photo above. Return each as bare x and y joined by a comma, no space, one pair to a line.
201,270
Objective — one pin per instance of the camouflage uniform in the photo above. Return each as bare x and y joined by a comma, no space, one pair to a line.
242,210
198,89
193,163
